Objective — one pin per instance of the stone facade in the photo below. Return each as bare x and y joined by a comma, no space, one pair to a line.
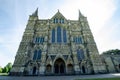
57,46
112,63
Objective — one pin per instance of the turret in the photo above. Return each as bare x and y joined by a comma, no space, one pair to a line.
34,16
81,17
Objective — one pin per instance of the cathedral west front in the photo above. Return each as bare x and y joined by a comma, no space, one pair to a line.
57,46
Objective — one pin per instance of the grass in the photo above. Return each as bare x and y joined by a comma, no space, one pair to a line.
101,79
3,74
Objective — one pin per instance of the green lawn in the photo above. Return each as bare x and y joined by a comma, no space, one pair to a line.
101,79
3,74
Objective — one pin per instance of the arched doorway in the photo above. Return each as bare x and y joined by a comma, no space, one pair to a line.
83,69
48,68
34,71
70,68
59,66
119,66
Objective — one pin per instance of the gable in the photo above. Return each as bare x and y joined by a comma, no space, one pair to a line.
58,15
58,18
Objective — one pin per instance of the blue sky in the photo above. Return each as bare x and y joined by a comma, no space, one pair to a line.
103,17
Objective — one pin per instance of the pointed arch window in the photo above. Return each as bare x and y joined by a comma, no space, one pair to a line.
80,54
37,55
39,39
77,40
64,36
62,20
59,35
53,35
56,20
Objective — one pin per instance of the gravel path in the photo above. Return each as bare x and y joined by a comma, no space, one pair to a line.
59,77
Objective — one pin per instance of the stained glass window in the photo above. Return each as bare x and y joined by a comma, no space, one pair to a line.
39,40
56,20
80,54
36,40
62,20
77,40
35,55
59,35
39,54
53,35
64,36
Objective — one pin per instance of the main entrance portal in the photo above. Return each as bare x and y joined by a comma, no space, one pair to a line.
59,66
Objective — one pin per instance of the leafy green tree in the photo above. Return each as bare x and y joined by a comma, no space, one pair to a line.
112,52
0,69
7,68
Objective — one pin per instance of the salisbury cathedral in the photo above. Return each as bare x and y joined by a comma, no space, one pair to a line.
57,46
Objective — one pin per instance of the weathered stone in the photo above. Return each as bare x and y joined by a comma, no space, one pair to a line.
57,46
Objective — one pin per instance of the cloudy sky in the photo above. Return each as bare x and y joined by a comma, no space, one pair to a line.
103,17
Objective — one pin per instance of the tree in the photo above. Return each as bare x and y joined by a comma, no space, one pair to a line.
112,52
0,69
7,68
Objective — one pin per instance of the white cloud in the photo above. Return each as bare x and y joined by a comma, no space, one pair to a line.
98,13
9,44
108,37
4,59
